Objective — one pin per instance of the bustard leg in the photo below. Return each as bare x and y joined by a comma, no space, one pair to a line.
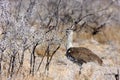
80,64
80,70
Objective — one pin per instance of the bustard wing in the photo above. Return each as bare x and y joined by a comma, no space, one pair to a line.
85,57
86,54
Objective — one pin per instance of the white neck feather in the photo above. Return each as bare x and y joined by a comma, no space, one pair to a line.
69,34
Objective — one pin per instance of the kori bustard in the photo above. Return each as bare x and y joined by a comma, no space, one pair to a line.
79,55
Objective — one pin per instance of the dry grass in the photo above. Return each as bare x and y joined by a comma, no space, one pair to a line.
108,34
62,69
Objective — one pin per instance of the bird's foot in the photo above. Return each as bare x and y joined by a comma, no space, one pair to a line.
79,72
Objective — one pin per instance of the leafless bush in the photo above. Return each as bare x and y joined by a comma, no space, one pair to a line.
27,24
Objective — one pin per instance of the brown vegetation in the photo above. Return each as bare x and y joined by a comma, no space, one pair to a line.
110,33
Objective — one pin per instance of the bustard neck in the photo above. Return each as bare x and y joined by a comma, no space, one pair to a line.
69,34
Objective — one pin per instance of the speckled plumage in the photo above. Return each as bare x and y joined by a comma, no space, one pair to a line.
82,55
